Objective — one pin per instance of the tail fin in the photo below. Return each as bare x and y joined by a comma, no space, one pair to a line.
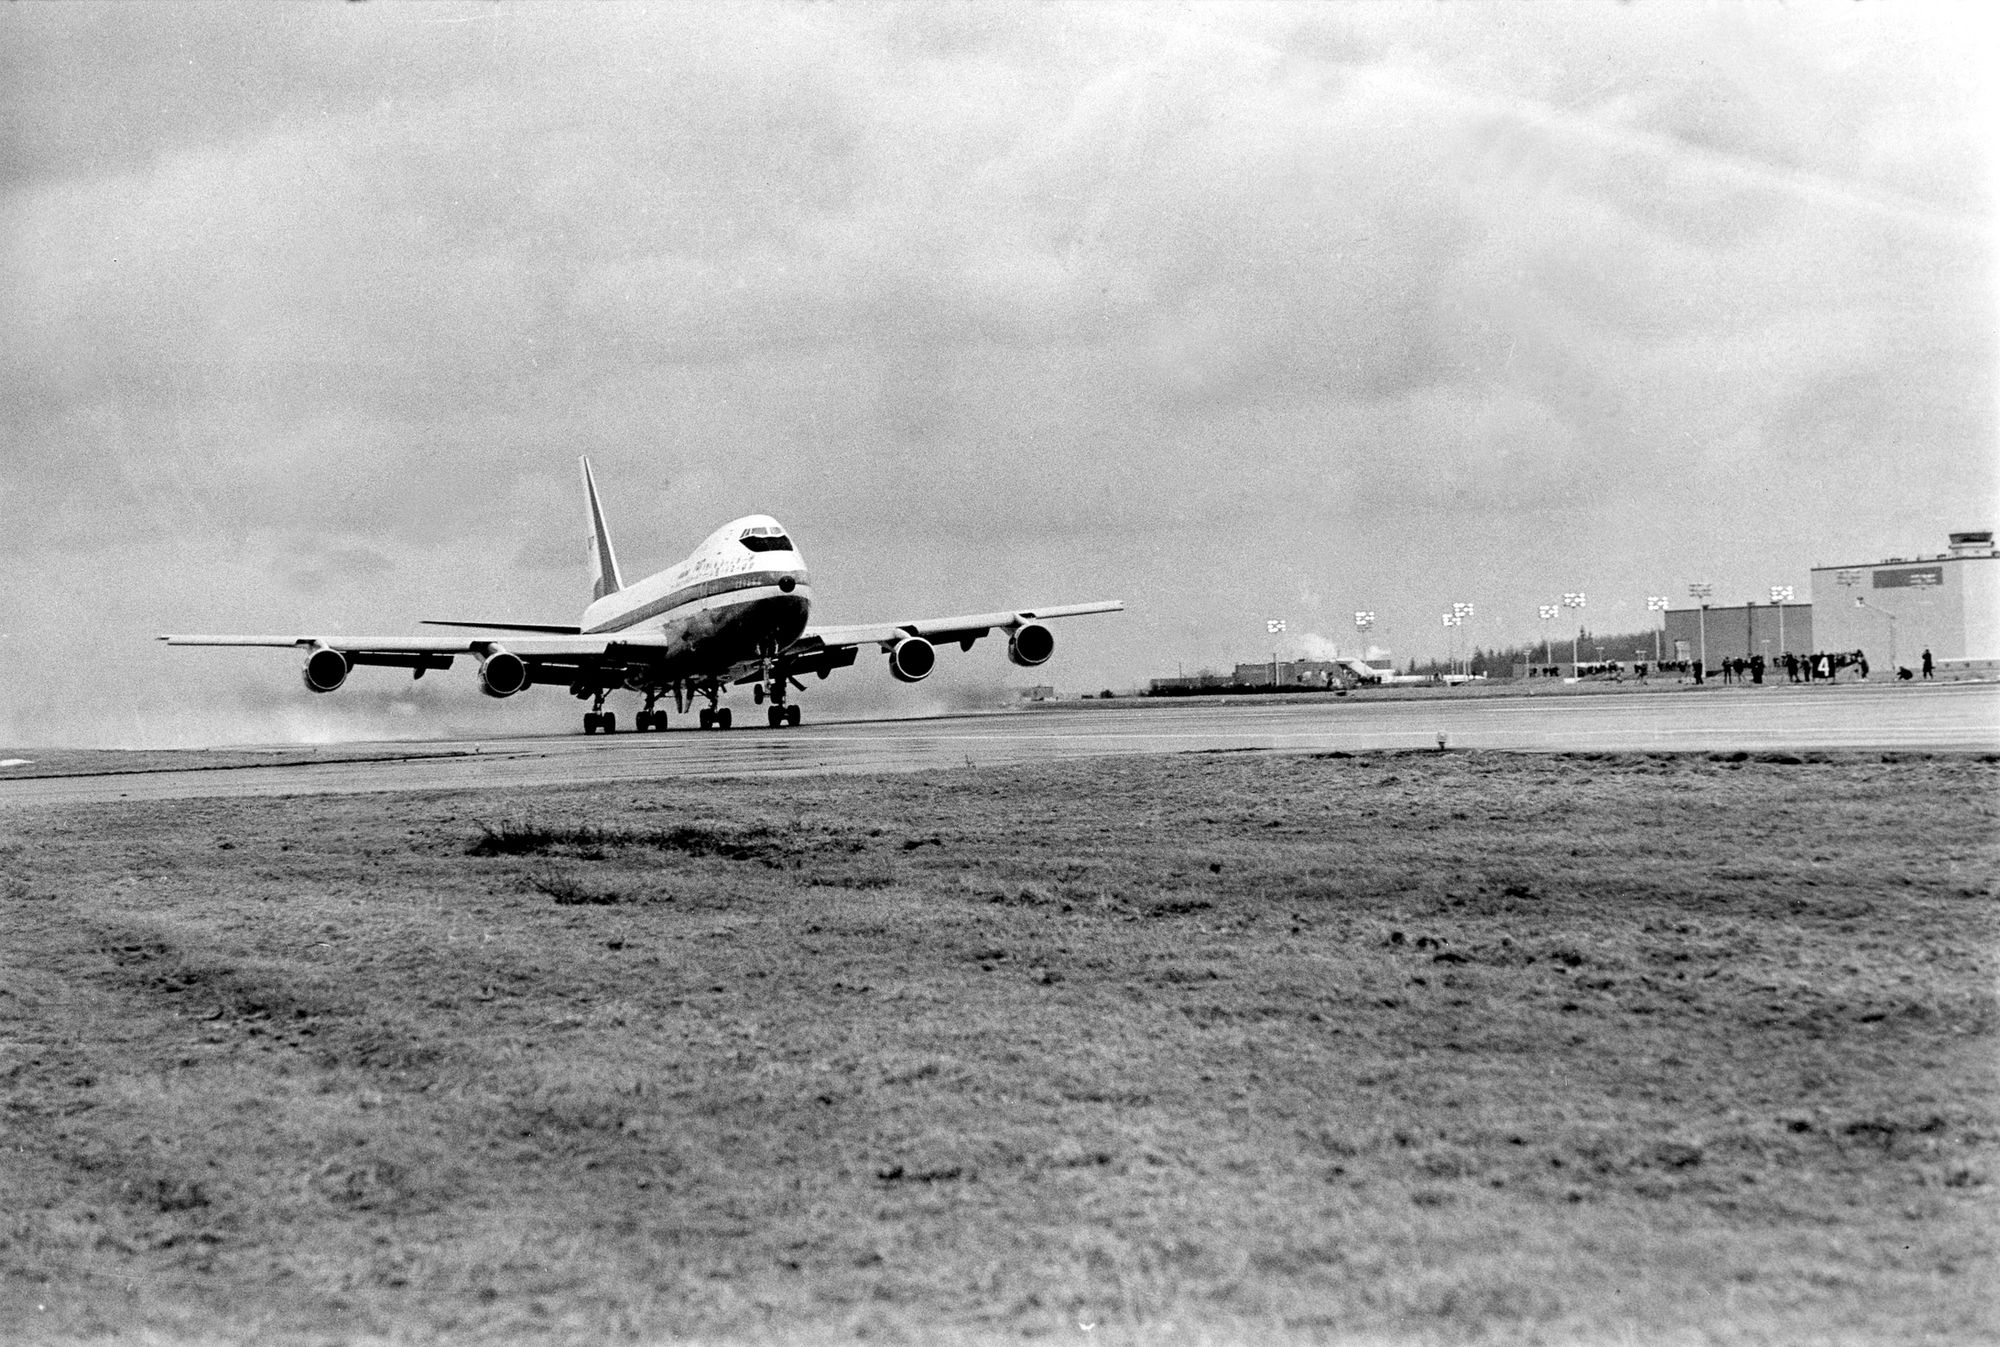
604,578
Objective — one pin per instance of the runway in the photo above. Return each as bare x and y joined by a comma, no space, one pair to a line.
1941,717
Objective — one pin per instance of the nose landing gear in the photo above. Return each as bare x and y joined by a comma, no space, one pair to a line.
772,688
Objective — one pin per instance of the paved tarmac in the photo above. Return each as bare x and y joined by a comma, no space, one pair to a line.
1939,717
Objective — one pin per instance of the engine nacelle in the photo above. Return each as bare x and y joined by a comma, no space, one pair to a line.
912,659
1031,644
502,673
325,670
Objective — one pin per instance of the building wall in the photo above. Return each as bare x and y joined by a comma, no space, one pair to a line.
1950,604
1742,630
1982,611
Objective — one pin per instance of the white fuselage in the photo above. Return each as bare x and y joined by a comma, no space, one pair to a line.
726,602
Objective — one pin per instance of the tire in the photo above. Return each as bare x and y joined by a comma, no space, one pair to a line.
792,716
722,719
590,722
610,722
774,715
707,718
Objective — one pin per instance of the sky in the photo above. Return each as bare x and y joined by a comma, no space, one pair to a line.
1236,313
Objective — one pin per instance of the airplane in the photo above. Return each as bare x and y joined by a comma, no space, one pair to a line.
735,612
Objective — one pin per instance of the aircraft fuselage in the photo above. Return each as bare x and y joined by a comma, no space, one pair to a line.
743,593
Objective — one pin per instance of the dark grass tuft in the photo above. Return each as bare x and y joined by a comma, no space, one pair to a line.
569,893
753,842
531,839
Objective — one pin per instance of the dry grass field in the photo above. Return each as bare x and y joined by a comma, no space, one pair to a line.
1218,1048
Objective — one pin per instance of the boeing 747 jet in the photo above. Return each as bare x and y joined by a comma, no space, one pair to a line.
736,611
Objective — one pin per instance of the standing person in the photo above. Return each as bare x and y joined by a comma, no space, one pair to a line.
1861,662
1757,670
1927,661
1791,667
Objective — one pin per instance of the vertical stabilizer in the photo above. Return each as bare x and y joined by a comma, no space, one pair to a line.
604,578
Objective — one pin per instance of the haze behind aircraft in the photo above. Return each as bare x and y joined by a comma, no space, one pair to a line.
736,611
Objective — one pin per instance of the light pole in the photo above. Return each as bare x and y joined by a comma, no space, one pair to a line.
1461,611
1700,590
1656,603
1452,621
1549,614
1573,600
1364,618
1781,595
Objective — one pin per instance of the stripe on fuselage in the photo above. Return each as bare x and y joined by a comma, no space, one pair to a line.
703,589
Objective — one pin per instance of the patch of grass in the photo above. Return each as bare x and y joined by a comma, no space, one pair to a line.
1227,1048
568,892
752,842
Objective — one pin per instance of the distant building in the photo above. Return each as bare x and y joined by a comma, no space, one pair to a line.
1266,675
1895,609
1042,693
1303,673
1738,632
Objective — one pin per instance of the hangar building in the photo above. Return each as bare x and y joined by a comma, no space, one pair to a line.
1739,631
1948,603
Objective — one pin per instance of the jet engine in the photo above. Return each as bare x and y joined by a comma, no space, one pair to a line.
912,659
1031,644
325,669
502,673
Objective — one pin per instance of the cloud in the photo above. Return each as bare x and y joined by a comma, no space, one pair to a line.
990,304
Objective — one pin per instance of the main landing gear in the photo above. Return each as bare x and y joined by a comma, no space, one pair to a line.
771,689
651,720
597,719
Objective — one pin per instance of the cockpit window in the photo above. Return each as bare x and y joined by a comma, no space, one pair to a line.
766,538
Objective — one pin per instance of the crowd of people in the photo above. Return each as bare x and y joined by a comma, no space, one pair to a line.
1819,667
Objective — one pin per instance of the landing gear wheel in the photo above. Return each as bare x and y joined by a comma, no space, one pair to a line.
722,719
707,718
774,716
792,715
609,720
590,722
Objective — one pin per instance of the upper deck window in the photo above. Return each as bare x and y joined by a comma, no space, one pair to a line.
766,538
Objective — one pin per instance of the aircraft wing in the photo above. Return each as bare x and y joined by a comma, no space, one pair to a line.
563,660
527,646
964,629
